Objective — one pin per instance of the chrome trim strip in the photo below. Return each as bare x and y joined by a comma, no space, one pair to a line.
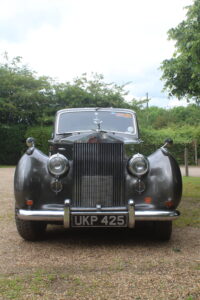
81,213
156,215
41,215
94,209
58,215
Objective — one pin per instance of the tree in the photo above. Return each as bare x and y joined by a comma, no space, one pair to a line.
153,117
28,99
31,100
181,116
181,73
90,92
23,96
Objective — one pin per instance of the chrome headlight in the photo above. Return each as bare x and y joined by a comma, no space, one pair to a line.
138,165
58,164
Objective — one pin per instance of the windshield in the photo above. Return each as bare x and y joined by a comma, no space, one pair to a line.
96,120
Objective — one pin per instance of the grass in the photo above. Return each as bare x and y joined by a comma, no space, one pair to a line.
42,284
15,287
2,166
11,288
191,187
190,204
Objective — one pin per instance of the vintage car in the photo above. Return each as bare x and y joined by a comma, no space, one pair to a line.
94,177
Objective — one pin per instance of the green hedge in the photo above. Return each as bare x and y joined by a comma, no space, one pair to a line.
182,137
41,136
177,150
12,143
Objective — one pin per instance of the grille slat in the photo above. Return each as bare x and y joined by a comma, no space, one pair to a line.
98,175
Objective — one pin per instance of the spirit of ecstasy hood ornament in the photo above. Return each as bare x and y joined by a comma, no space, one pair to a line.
97,121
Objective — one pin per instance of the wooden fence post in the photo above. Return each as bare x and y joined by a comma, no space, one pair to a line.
195,153
186,160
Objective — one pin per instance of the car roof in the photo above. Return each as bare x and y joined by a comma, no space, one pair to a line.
95,109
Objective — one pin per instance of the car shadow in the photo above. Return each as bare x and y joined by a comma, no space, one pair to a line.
141,234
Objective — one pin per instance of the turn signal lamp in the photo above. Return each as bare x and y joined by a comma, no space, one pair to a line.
169,204
148,200
29,202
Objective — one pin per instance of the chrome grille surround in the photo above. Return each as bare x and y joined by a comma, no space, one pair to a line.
98,174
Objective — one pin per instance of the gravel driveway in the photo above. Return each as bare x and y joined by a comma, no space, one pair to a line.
96,264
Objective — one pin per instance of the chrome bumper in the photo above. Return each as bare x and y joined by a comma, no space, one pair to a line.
64,214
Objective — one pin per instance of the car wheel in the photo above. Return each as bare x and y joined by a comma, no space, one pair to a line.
163,230
30,230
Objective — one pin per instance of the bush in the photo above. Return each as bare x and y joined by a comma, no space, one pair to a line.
41,136
177,150
12,144
183,137
13,141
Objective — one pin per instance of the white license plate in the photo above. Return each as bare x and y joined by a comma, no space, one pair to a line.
99,221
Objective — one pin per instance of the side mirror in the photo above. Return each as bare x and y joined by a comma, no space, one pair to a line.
168,143
30,142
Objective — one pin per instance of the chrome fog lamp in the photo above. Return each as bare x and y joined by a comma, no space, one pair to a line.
138,165
58,164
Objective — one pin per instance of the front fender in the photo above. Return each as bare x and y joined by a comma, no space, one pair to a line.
32,181
28,176
163,183
164,179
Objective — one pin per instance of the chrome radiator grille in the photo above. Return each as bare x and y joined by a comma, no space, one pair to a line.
98,175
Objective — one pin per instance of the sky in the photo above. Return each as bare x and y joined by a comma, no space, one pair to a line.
125,40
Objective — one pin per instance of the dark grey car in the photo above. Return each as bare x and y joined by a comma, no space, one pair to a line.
93,177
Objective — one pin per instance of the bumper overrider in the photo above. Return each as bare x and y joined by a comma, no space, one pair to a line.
65,215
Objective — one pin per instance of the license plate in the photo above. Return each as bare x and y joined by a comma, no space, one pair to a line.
98,221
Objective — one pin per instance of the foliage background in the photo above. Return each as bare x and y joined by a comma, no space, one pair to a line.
181,72
28,104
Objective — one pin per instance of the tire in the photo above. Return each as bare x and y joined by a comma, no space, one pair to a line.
30,230
162,230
